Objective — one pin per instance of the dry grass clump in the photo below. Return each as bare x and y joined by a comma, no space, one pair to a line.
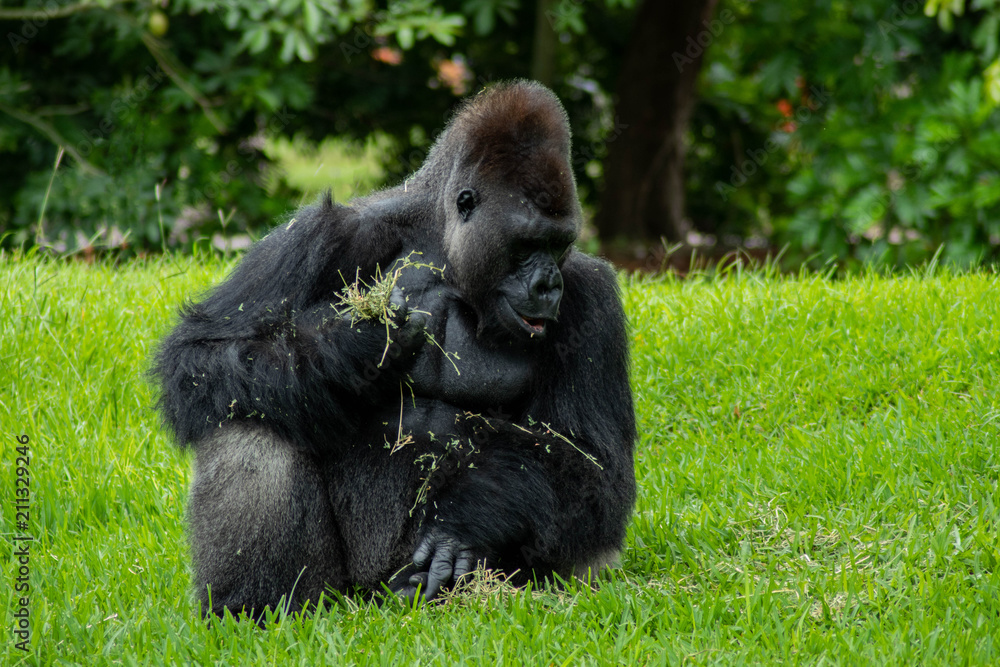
480,585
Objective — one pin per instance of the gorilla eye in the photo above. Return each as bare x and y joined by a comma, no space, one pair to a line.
466,203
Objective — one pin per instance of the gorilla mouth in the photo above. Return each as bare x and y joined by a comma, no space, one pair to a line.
536,325
532,325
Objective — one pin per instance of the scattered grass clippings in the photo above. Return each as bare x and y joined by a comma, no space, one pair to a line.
556,434
401,439
429,463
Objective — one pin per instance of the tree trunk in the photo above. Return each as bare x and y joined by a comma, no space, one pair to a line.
543,53
643,196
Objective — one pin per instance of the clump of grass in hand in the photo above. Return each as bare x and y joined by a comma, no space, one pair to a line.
374,302
370,302
429,463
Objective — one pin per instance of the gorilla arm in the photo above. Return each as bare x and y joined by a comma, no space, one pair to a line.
268,344
551,490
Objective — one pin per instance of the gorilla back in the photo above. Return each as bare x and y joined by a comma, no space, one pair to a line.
488,420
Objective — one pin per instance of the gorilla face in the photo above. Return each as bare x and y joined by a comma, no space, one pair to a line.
505,251
507,208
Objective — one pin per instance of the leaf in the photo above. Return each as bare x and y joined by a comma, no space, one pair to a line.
911,206
233,18
868,207
483,15
986,191
304,49
312,20
946,20
991,78
257,39
405,37
957,161
269,98
984,37
444,28
288,46
289,7
568,16
779,74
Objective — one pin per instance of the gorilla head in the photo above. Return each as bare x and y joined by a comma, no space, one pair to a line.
506,208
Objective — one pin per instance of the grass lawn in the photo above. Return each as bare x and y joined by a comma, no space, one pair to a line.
818,471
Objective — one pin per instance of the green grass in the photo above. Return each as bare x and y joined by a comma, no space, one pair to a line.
818,474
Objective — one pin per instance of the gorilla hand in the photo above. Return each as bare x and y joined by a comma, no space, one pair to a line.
441,559
409,324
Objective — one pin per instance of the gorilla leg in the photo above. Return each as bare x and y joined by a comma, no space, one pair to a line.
373,490
261,524
373,493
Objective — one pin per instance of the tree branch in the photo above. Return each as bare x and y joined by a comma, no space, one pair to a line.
32,14
53,134
162,59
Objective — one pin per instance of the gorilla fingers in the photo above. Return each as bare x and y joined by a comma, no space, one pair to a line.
441,560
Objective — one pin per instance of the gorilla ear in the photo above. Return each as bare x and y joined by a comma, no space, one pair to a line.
467,200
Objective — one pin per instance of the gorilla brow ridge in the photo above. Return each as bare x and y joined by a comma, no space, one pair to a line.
520,134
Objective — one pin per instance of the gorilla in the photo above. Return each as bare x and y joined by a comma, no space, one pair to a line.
486,420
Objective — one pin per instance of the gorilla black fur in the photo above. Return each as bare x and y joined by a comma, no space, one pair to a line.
318,467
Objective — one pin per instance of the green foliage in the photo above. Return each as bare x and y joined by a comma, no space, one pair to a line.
485,12
188,100
411,20
830,503
344,168
299,26
933,182
164,113
867,133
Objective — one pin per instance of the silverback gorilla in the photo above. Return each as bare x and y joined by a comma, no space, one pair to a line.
488,420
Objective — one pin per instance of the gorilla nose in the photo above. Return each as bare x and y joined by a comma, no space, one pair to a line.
551,280
545,294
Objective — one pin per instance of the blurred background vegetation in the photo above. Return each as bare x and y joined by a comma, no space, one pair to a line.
866,131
